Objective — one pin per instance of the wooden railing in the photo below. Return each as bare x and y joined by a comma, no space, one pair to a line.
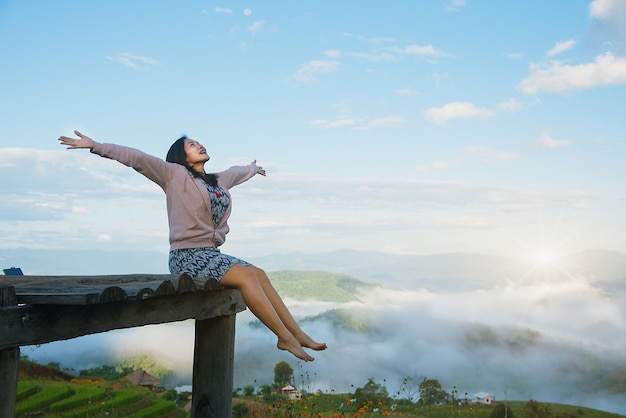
42,309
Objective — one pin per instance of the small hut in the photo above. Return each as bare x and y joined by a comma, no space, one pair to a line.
484,398
291,392
142,378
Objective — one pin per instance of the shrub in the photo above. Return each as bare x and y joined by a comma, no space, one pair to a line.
240,410
501,411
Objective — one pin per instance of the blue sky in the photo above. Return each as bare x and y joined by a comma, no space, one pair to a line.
408,127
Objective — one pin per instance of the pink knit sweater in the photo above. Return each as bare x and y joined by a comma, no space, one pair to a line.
188,204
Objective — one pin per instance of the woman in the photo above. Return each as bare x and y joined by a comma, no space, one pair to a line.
198,207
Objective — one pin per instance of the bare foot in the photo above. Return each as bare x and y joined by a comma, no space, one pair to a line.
306,341
295,349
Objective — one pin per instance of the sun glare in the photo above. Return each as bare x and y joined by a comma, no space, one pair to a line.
544,258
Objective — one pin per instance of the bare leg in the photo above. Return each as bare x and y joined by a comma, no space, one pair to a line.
245,279
283,312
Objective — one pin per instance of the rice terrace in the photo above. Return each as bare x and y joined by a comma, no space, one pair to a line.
46,391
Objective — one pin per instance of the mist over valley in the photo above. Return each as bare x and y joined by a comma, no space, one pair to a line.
552,332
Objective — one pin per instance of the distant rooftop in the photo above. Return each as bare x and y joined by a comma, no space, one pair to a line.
13,271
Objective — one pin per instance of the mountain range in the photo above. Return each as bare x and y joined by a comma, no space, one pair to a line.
604,269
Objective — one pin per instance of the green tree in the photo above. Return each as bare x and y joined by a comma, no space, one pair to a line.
107,372
248,390
534,409
55,365
283,373
170,395
151,364
266,390
431,393
371,391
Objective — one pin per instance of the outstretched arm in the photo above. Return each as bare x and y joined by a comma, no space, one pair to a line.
83,141
152,167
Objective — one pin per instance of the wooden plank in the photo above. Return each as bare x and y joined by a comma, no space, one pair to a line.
71,284
213,362
59,298
9,362
83,290
39,324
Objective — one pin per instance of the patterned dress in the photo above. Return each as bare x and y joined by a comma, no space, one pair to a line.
206,261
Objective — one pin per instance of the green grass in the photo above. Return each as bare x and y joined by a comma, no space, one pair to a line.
50,392
158,408
26,389
334,405
84,395
50,398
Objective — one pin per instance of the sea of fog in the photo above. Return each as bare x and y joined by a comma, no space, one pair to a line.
559,341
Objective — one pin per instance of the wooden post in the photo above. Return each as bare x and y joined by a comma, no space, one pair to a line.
213,362
9,362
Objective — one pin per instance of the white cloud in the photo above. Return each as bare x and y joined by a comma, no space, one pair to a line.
555,77
456,110
510,105
394,121
423,51
546,142
435,165
407,91
134,61
454,6
303,211
309,71
561,47
104,238
395,53
612,16
340,123
223,10
608,10
80,210
375,57
333,53
490,155
256,26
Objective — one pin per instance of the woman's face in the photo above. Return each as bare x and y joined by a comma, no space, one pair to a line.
196,153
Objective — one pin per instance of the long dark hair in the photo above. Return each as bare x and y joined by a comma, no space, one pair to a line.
176,154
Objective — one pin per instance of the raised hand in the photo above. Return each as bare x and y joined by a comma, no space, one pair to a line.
83,141
259,170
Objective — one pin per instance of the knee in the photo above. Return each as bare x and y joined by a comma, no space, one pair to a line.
240,276
260,274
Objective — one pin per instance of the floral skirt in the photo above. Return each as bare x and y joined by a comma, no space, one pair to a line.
202,262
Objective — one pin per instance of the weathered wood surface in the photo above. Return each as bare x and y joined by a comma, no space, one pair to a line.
42,309
213,363
86,290
93,304
9,362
